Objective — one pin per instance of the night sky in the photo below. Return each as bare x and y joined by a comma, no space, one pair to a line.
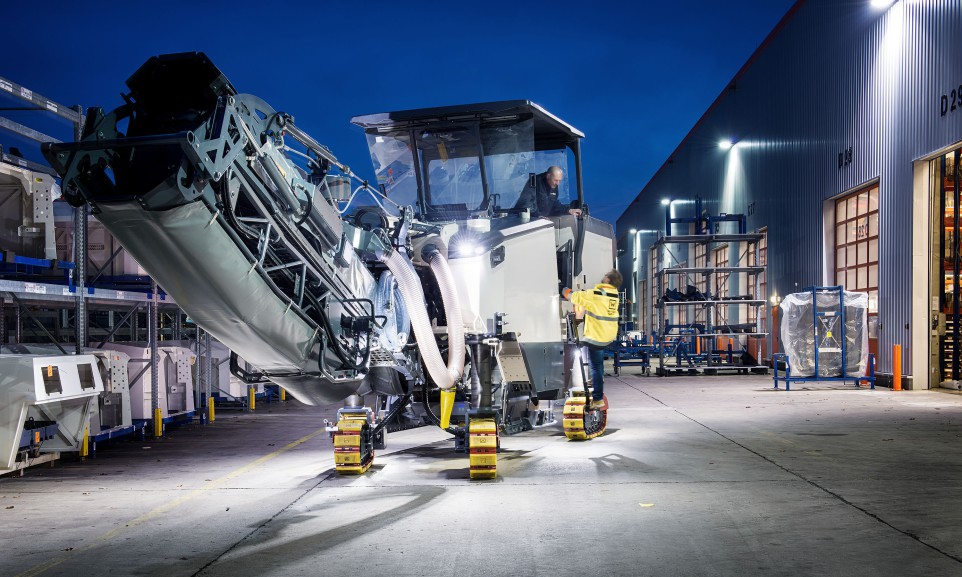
634,78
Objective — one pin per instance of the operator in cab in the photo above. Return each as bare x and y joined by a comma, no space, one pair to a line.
540,195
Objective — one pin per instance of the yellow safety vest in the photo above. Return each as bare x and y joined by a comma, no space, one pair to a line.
601,314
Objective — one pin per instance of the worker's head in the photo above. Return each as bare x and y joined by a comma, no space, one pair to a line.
613,278
553,176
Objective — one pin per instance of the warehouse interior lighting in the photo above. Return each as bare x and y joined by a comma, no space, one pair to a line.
881,4
725,144
633,231
665,201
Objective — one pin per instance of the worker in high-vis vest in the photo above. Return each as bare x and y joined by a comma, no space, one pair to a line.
600,308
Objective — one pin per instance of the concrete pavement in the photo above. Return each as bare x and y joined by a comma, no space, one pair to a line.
695,476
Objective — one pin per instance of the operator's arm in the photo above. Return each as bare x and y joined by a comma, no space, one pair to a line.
559,208
527,199
579,298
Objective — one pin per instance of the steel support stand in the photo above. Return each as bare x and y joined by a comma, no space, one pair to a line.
154,377
18,324
80,258
199,400
208,366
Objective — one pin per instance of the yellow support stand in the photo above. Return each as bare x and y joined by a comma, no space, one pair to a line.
351,456
283,394
158,423
210,409
483,448
85,445
251,398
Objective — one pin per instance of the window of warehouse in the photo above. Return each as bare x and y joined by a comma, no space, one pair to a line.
701,280
720,260
762,249
856,250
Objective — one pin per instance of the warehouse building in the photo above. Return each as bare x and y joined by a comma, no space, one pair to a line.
839,140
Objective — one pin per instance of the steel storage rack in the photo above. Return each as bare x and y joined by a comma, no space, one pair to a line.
33,285
700,331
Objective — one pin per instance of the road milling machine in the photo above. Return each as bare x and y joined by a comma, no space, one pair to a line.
437,301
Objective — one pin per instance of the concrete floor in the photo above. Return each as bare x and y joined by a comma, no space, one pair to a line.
695,476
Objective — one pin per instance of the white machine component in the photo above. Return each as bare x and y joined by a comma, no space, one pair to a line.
26,208
221,379
112,410
104,253
175,379
38,389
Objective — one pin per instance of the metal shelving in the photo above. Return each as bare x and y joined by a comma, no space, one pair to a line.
692,344
38,302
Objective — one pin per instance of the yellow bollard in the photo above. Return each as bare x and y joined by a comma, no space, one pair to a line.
85,445
158,423
210,409
896,367
283,394
251,398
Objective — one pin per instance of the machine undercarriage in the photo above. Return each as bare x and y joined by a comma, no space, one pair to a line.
440,301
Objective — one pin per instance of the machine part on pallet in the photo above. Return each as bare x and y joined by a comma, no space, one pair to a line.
581,424
353,446
49,392
483,447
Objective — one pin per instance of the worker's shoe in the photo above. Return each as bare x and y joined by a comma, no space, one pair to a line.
599,405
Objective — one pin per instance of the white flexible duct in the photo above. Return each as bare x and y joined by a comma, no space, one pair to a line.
413,295
452,310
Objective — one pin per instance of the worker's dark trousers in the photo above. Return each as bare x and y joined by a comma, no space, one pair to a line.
597,357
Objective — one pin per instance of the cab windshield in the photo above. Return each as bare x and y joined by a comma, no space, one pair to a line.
464,169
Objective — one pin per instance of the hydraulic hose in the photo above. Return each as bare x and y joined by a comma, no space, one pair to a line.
413,296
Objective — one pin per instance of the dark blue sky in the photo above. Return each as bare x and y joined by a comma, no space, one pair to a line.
635,78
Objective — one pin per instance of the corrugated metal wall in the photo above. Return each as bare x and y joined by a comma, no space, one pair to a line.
835,74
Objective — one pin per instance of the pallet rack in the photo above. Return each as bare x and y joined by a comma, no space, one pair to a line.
75,294
690,347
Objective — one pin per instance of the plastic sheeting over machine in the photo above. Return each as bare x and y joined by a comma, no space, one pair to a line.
824,332
44,403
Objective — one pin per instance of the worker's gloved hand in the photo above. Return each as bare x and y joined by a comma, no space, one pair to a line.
566,293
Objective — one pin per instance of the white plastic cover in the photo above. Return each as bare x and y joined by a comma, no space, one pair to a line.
808,333
389,303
